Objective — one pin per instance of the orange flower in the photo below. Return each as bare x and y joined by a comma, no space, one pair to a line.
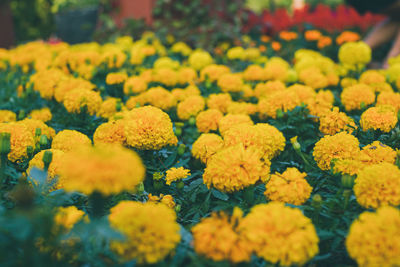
287,36
262,48
312,35
265,38
347,36
324,41
276,46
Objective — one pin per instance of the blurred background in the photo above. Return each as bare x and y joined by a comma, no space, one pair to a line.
200,23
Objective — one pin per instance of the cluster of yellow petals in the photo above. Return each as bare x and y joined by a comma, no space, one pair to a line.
176,174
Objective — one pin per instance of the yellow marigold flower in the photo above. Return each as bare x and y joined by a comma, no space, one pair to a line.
7,116
190,107
382,118
106,169
182,48
207,120
46,81
335,121
304,92
160,98
374,238
135,101
313,77
147,240
288,187
176,174
242,108
280,234
230,120
167,200
284,100
205,146
213,72
53,171
318,107
377,152
149,128
109,107
77,99
339,146
67,140
348,166
230,82
182,94
69,84
389,98
219,101
21,137
67,217
277,68
135,84
166,62
234,168
114,58
236,52
378,185
187,75
347,82
110,133
43,114
268,88
254,73
371,77
199,59
218,238
262,136
116,78
355,54
357,96
165,76
33,125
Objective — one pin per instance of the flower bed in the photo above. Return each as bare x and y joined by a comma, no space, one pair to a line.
137,152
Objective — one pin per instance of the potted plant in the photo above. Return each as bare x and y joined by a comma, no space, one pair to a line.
75,19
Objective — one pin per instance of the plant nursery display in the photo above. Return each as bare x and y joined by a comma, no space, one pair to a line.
273,151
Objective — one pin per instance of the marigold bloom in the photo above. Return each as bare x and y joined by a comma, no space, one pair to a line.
134,85
382,118
110,133
265,89
167,200
377,152
335,121
149,128
389,98
43,114
378,185
217,238
53,171
109,107
67,140
213,72
284,100
69,84
254,73
67,217
219,101
46,81
176,174
324,41
347,36
230,82
7,116
77,99
374,238
190,107
33,125
230,120
236,52
147,240
160,98
276,46
288,187
199,59
207,120
234,168
339,146
304,92
21,137
355,54
263,137
357,96
348,166
371,77
242,108
287,36
280,234
116,78
312,35
106,169
205,146
165,76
